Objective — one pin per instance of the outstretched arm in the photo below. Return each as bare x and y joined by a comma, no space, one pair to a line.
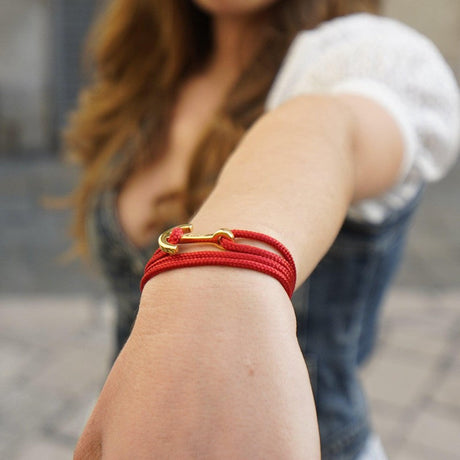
299,168
212,368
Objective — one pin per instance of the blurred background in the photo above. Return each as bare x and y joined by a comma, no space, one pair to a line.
55,317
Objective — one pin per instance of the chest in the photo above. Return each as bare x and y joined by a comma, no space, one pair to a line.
196,105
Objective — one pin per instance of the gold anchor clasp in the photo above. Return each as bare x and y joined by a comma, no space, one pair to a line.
187,237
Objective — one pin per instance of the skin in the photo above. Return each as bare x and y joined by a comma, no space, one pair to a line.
212,368
242,9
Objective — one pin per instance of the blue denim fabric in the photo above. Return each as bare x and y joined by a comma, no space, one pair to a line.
121,263
337,311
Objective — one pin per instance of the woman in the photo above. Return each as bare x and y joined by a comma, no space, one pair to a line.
328,124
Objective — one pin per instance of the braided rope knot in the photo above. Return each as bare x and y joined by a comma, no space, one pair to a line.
176,235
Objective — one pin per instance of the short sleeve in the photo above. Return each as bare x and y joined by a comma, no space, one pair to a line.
399,68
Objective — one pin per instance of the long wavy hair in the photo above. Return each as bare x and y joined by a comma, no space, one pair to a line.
139,53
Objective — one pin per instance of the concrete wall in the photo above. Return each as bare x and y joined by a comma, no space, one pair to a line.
437,19
29,93
24,75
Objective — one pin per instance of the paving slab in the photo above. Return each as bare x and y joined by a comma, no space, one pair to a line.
437,430
42,449
448,392
418,452
15,362
74,369
397,380
388,422
33,320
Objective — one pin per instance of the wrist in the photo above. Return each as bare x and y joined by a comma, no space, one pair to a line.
188,299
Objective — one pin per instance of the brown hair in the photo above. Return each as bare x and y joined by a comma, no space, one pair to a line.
140,52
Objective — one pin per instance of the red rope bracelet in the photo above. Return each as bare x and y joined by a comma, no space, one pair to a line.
281,267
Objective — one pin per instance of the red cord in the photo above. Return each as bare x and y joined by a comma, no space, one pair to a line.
281,267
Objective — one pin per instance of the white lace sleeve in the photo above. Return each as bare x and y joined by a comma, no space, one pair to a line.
396,66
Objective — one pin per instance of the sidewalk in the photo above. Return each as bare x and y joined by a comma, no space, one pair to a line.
54,353
55,329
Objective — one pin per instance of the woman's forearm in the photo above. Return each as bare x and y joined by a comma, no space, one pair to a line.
291,177
298,169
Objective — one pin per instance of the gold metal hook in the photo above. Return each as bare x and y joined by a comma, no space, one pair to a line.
187,237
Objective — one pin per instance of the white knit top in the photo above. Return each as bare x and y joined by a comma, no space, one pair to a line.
392,64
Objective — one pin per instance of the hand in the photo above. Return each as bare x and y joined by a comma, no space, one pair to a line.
212,375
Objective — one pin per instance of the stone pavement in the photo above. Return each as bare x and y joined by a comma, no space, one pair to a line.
55,323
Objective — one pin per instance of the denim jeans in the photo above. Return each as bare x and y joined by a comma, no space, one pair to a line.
337,311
